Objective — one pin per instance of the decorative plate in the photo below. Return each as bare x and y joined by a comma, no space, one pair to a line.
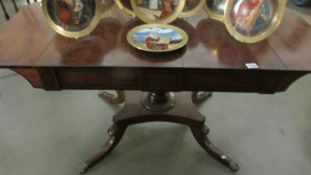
216,9
126,7
72,18
192,7
158,11
251,21
107,8
157,37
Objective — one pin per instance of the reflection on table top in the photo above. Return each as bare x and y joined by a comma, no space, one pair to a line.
27,41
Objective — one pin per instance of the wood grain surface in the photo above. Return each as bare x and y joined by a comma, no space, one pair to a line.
212,60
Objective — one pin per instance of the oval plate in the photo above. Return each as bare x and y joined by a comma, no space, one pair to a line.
251,22
72,18
157,37
158,11
192,7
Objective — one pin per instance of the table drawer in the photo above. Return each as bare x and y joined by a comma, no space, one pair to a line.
160,80
223,81
97,79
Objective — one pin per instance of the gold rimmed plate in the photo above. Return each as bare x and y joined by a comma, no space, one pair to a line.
253,21
107,8
158,11
216,9
72,18
192,7
157,37
126,7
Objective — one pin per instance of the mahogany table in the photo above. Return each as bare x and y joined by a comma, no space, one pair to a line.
211,61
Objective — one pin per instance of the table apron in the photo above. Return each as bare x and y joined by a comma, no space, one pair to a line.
160,79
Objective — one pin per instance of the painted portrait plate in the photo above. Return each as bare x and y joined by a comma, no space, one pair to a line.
251,21
216,9
157,37
192,7
72,18
107,8
126,7
158,11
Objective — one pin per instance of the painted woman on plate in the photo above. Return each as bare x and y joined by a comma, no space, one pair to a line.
73,12
78,12
167,10
248,13
63,13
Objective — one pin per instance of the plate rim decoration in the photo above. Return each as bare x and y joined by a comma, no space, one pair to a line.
179,30
275,23
108,12
170,19
125,9
213,15
195,11
77,34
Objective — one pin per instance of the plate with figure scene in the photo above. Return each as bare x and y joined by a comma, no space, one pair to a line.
72,18
251,21
157,37
158,11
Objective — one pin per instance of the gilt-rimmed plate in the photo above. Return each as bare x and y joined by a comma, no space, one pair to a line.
72,18
192,7
216,9
126,7
157,37
158,11
251,21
